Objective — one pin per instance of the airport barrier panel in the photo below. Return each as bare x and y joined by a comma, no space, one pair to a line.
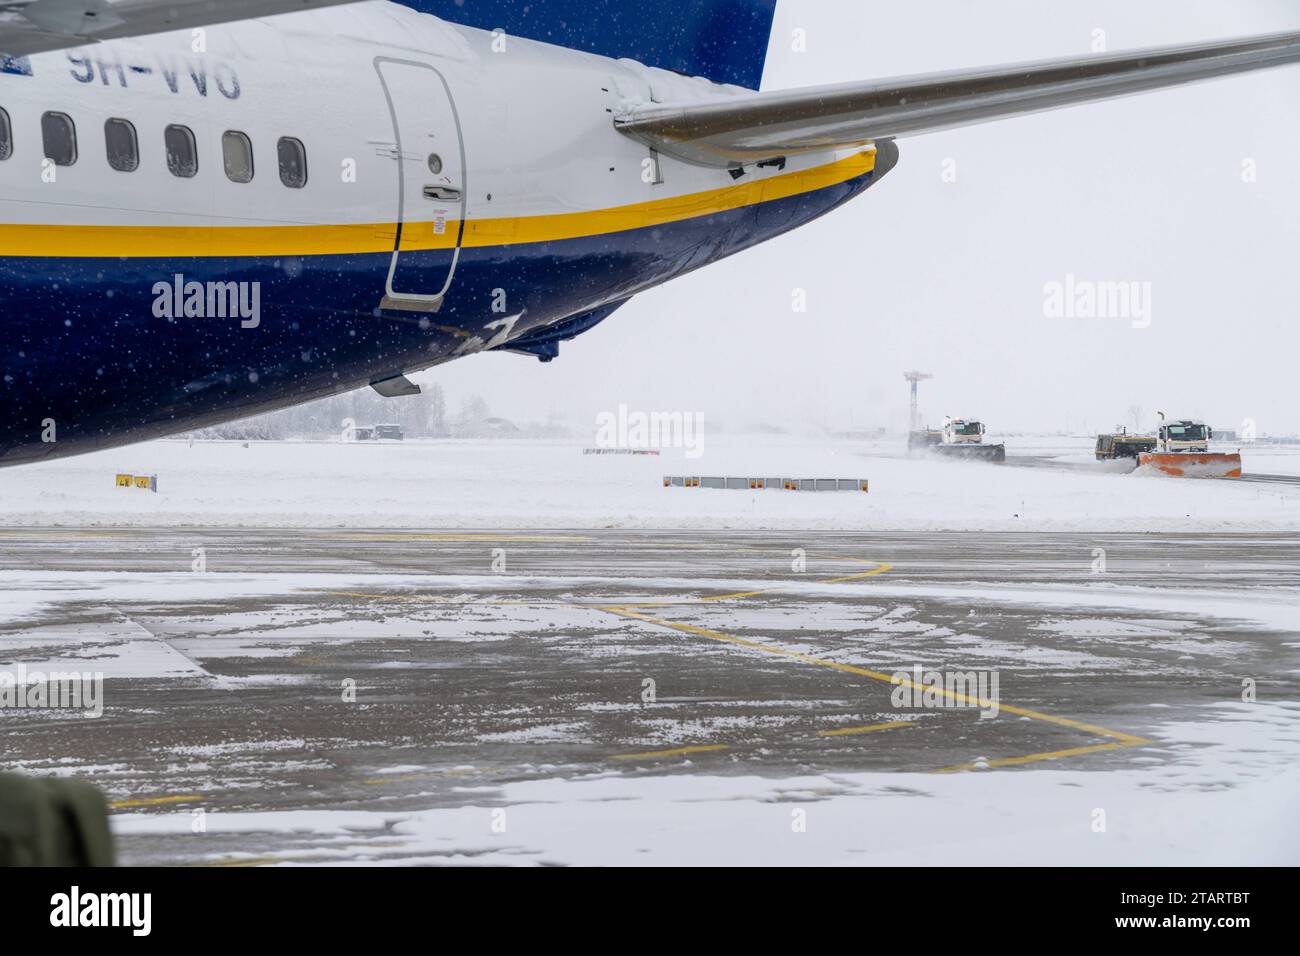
732,483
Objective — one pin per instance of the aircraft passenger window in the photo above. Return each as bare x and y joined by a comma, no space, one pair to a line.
6,136
60,135
123,145
182,151
237,150
293,163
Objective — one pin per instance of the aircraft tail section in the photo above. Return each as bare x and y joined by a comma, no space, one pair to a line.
723,40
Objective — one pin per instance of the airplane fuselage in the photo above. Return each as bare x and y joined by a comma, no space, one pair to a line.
318,202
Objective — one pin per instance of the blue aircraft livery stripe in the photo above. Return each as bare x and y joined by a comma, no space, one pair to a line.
107,357
724,40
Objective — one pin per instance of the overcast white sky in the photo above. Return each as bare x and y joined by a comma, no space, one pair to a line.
949,277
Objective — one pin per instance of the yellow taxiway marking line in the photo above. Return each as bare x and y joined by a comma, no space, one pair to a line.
871,729
675,752
241,864
412,598
883,569
712,748
457,537
600,607
708,599
629,611
1052,755
423,599
56,533
424,775
1121,739
155,801
878,568
721,597
288,858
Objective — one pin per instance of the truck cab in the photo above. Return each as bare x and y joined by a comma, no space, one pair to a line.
1185,436
959,431
1120,444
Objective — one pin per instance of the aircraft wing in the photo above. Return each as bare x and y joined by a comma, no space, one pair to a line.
37,26
735,129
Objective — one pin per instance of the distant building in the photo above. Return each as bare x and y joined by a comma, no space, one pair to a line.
501,428
860,434
488,428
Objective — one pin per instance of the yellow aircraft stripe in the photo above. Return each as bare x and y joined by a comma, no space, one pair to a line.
502,232
61,241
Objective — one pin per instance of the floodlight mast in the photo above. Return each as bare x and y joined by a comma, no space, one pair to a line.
915,378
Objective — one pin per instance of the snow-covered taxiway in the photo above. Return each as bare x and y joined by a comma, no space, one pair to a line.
586,696
523,484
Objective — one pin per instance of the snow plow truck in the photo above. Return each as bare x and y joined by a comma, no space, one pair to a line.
1183,451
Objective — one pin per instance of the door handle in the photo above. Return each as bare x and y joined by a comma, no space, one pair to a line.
442,193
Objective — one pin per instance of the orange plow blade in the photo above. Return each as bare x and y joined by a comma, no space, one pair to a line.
1190,465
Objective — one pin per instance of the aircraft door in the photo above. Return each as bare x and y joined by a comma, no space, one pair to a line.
429,156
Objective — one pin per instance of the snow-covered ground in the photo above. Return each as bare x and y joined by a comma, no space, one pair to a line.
1183,813
1217,785
521,484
